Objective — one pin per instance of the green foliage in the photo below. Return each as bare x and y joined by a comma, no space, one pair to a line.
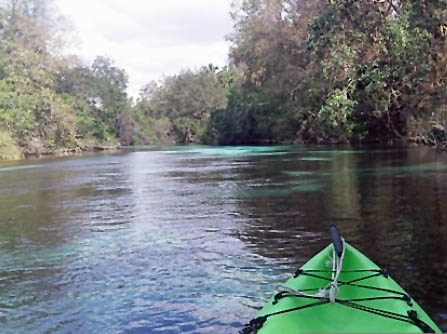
384,76
29,107
321,71
8,147
336,115
230,126
246,122
186,100
141,128
335,71
48,102
270,56
110,97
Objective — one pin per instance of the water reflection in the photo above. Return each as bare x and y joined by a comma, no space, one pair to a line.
389,204
195,239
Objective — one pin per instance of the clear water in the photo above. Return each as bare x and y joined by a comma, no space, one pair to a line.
195,239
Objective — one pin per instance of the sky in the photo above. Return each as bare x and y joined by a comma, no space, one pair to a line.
150,38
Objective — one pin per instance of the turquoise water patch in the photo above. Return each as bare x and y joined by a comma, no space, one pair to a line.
315,159
232,151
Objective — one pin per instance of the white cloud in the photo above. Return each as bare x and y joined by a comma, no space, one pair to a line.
149,38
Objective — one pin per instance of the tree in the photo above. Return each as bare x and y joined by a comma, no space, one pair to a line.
377,64
98,94
49,101
269,52
186,100
110,98
337,71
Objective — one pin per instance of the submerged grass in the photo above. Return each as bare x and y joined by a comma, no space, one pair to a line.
298,172
296,186
315,159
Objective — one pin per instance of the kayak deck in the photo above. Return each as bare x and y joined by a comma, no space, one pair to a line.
368,300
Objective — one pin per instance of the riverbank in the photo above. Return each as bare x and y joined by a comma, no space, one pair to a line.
436,138
70,151
12,149
9,151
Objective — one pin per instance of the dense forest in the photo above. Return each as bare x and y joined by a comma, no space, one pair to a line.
338,71
321,71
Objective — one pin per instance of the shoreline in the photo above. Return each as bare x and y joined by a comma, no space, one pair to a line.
63,152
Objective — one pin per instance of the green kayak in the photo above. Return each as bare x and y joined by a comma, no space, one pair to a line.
340,290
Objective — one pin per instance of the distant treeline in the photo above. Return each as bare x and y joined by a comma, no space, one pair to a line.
351,71
332,71
48,101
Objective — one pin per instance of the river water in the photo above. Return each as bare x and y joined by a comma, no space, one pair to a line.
196,239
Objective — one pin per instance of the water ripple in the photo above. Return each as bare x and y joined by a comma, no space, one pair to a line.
195,240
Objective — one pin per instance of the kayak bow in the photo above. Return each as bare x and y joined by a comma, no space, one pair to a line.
340,290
